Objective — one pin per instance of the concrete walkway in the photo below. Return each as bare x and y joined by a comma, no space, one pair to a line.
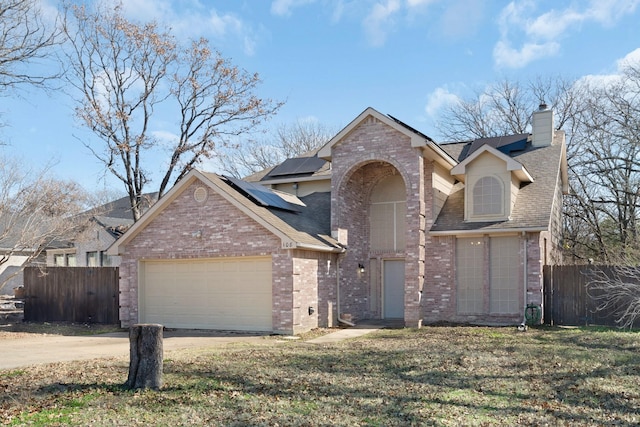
343,334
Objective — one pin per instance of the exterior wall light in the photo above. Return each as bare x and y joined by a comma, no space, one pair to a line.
361,268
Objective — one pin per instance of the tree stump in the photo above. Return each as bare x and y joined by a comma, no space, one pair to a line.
145,356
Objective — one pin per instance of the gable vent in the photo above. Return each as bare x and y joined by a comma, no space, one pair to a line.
200,194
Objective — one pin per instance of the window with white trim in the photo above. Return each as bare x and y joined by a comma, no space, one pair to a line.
93,259
59,260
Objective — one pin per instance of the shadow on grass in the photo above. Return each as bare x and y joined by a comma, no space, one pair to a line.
397,381
406,378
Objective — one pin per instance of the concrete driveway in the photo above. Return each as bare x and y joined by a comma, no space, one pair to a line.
41,349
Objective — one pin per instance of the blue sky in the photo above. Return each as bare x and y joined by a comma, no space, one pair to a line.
331,59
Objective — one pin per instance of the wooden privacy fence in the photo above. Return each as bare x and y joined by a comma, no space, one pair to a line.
71,294
567,301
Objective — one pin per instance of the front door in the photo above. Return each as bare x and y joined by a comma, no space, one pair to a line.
393,288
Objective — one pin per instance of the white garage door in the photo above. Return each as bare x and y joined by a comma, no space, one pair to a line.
221,293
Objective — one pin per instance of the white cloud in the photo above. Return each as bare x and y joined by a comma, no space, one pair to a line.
439,99
165,138
553,24
538,36
418,3
607,12
193,20
507,56
379,21
630,59
219,25
284,7
614,78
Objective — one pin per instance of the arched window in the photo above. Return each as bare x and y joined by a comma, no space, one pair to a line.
487,196
387,218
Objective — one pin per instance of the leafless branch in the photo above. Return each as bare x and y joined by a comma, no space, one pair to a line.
126,72
616,290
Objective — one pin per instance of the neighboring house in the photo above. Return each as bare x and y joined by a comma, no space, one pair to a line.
88,249
381,223
11,276
16,252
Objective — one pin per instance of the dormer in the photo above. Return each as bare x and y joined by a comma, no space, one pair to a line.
492,181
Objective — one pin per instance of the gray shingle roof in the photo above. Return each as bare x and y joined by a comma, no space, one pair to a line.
314,219
310,226
534,202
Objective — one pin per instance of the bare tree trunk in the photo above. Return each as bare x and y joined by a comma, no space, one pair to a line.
145,363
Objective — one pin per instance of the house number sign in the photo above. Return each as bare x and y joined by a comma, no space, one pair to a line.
288,244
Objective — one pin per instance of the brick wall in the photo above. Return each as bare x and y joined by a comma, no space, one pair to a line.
225,231
314,284
439,293
440,299
356,169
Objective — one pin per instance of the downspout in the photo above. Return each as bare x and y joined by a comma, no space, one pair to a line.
524,300
340,319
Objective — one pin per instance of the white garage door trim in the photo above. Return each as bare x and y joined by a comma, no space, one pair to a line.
211,293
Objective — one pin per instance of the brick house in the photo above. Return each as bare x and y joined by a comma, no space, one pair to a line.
380,223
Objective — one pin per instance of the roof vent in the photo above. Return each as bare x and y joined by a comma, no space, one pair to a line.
200,194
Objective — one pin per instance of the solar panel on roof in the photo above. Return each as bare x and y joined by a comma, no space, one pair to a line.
514,146
262,195
299,165
505,144
406,126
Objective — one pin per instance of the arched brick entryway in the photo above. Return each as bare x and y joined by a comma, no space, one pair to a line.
372,204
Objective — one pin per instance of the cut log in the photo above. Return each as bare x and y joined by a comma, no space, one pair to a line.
145,356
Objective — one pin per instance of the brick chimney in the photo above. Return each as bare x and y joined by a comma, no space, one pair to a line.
542,126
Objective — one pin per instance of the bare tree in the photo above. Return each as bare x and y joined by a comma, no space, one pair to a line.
506,108
36,210
126,72
290,140
606,165
617,291
25,38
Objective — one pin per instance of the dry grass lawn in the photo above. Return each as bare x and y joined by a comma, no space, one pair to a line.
432,376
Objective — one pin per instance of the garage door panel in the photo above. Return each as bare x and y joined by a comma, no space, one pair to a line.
211,294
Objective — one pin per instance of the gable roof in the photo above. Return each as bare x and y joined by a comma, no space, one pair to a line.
534,204
121,208
517,168
115,226
430,149
303,232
